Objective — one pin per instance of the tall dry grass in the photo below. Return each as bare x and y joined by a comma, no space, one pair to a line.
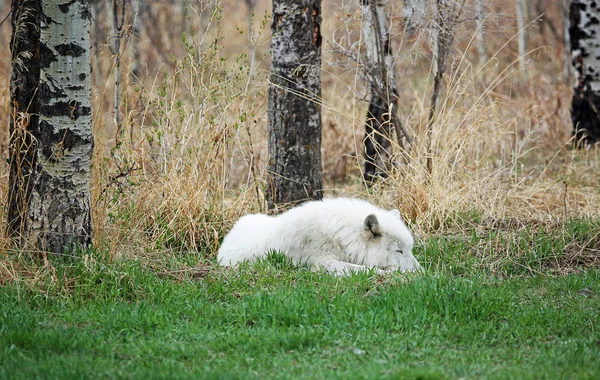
190,155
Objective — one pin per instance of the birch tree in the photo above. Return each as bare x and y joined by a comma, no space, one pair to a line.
414,14
480,21
294,167
585,49
24,78
55,212
566,42
381,116
134,38
520,8
446,18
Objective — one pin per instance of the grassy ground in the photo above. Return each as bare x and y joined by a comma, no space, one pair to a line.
469,318
507,223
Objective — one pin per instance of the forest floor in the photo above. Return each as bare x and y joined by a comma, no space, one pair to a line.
506,223
530,310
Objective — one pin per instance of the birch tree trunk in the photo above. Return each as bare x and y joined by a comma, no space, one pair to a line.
136,30
414,12
585,49
24,79
383,103
59,209
446,19
250,5
117,30
294,166
566,42
480,20
520,11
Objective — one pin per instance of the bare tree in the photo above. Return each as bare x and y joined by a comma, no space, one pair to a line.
55,209
134,37
24,79
480,18
414,14
294,166
446,18
118,22
382,114
250,5
585,49
566,42
521,9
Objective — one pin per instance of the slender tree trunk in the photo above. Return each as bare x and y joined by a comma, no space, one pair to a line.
383,105
481,49
117,29
250,4
584,31
446,18
59,210
98,8
566,43
136,30
24,81
414,12
520,11
295,172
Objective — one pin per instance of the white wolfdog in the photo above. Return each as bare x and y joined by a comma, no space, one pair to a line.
339,235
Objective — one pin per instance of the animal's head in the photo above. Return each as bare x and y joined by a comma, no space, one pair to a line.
388,241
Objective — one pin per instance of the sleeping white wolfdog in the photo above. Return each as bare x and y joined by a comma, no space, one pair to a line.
339,235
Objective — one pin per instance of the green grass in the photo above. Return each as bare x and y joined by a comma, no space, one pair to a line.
92,319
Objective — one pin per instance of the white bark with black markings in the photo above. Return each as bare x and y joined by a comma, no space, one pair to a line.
380,72
24,79
382,113
59,209
585,49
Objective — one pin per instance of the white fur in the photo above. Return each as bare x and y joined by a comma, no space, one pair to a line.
330,234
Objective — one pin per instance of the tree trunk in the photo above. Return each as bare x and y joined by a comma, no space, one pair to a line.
250,5
480,20
136,31
414,14
59,209
117,31
446,18
98,8
51,141
383,103
24,80
566,43
520,11
295,172
584,31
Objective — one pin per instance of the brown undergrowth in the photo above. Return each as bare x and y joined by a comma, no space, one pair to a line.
189,156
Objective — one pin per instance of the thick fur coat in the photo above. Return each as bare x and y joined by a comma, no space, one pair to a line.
339,235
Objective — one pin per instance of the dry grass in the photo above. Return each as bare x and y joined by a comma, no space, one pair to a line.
189,157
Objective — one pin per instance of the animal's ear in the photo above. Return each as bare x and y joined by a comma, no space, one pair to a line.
372,225
396,213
